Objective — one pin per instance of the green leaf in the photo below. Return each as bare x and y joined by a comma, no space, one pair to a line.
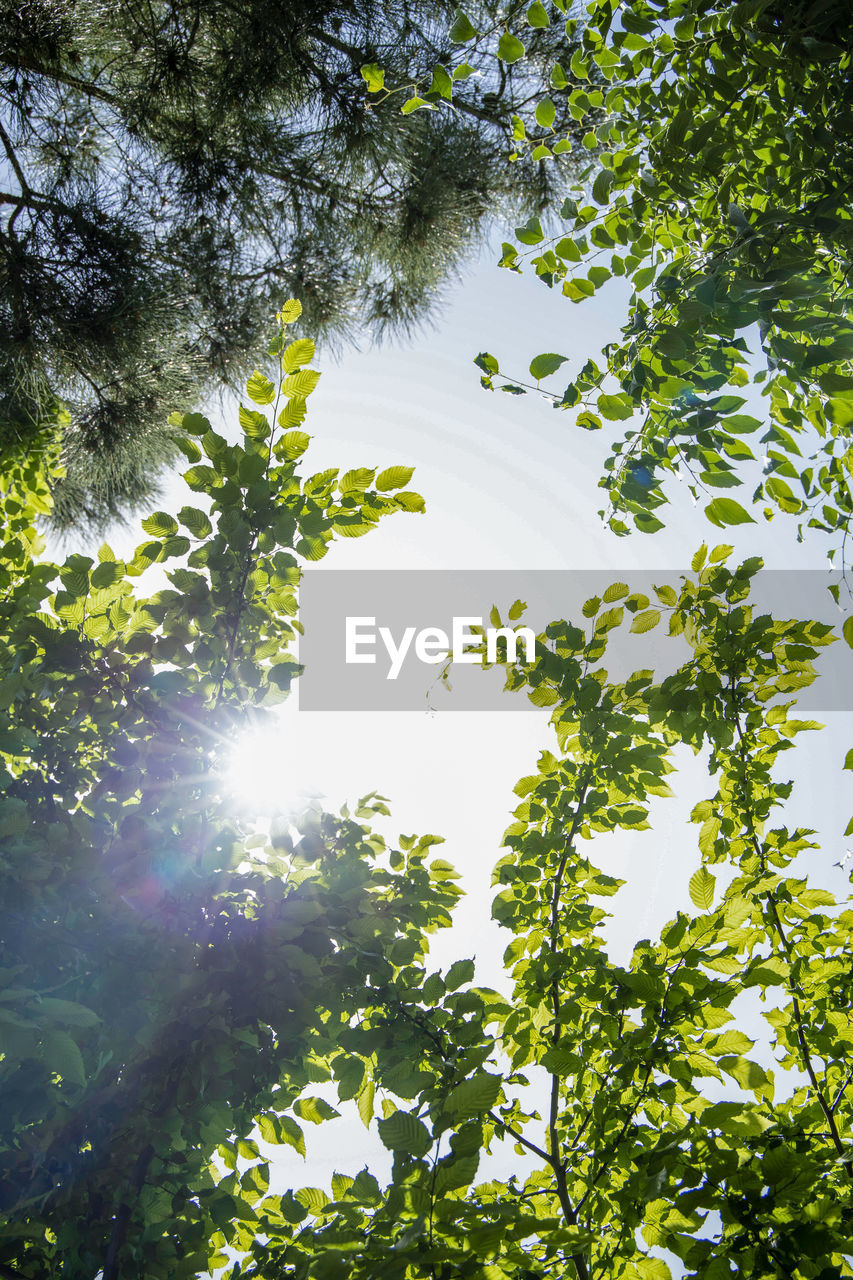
542,366
196,521
300,384
313,1199
260,389
394,478
160,524
441,83
293,444
67,1012
291,311
254,424
601,187
374,78
62,1054
847,630
364,1103
649,1268
546,113
282,1130
615,407
537,15
459,973
473,1097
531,232
701,889
415,103
341,1184
316,1110
723,511
403,1131
298,353
462,29
510,48
645,621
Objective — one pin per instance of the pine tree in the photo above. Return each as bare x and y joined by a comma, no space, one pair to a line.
175,168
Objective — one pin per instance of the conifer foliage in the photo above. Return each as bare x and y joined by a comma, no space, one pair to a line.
172,171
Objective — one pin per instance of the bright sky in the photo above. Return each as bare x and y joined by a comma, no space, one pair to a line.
509,484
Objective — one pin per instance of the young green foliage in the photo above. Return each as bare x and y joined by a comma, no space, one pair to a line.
171,976
660,1135
716,187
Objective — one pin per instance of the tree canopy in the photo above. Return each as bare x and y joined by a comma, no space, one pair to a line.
717,187
178,978
173,171
181,981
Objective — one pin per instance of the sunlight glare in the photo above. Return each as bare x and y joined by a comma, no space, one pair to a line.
268,772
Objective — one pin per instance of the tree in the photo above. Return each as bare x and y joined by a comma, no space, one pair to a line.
660,1140
175,980
718,187
167,978
174,170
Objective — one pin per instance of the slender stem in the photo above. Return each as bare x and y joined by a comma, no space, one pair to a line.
840,1093
796,990
519,1137
555,1160
61,77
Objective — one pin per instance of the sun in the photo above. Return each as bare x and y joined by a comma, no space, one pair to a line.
266,773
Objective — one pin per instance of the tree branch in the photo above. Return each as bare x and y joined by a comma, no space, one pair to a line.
555,1161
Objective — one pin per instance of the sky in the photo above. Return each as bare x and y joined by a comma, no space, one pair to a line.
509,483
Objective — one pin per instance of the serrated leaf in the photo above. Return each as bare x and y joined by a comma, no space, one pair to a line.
701,889
460,972
394,478
313,1199
341,1183
645,621
732,1042
292,445
260,389
316,1110
202,478
282,1131
291,311
365,1103
543,365
196,521
255,425
473,1097
298,353
402,1131
456,1171
301,383
160,524
723,511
